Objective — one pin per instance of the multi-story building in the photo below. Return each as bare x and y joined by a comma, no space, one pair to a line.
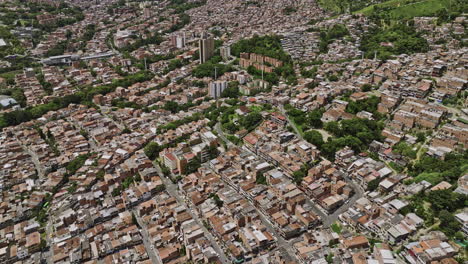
178,41
216,88
206,48
225,52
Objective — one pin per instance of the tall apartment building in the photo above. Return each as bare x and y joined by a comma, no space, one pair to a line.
206,48
216,88
178,41
225,52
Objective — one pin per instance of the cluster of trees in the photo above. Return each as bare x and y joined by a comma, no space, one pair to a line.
175,107
272,78
404,10
15,93
303,119
165,83
74,165
309,73
19,116
341,6
314,137
261,179
180,6
404,149
299,175
289,10
232,91
123,103
184,20
193,165
400,39
90,30
74,14
140,42
219,203
13,46
177,123
250,121
369,104
152,150
84,96
175,64
47,86
374,184
58,49
270,46
326,37
355,133
207,69
449,169
125,184
443,205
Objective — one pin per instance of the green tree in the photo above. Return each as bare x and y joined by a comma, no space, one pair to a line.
230,127
448,224
171,106
261,179
314,137
314,118
374,184
251,120
152,150
298,176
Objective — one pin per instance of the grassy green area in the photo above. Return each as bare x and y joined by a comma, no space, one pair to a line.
406,9
342,6
336,227
431,177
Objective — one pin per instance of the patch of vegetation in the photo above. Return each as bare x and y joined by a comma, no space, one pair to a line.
140,42
449,169
407,9
207,69
181,6
289,10
261,179
314,137
395,40
344,6
269,46
337,228
304,120
442,205
152,150
369,104
326,37
374,184
74,165
84,97
405,149
355,133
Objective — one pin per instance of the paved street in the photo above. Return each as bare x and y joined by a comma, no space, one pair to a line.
172,189
298,134
327,219
49,230
153,255
222,136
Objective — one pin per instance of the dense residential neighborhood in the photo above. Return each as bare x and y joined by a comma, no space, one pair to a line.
211,131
